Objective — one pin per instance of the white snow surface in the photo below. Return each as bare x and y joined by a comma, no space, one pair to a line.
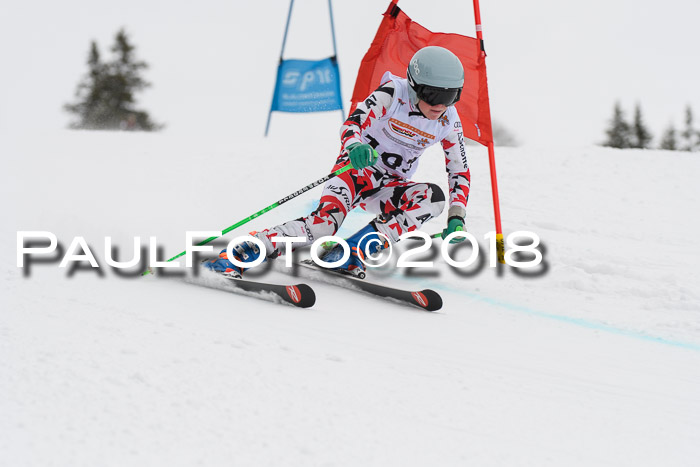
593,361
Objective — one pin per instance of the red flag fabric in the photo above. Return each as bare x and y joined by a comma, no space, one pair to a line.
398,38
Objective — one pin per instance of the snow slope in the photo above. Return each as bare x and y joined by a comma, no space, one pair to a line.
593,359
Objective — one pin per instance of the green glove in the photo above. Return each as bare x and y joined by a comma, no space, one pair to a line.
362,155
454,224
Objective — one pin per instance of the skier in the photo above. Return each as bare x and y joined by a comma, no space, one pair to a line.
383,140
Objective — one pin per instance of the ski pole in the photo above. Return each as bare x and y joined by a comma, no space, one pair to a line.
263,211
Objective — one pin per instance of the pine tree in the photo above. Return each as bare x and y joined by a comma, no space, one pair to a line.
619,131
90,107
641,137
689,135
105,96
669,140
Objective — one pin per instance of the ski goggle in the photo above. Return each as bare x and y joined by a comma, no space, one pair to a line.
432,95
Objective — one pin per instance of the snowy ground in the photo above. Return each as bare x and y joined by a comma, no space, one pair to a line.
592,360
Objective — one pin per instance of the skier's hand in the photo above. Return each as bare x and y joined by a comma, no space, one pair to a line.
362,155
454,224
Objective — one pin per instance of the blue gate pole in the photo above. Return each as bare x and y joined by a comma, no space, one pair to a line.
335,59
284,42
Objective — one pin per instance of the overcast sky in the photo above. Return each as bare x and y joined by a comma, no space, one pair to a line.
555,68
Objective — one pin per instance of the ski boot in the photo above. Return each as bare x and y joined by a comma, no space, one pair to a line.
245,252
363,243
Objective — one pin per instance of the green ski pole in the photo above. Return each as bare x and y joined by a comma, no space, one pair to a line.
263,211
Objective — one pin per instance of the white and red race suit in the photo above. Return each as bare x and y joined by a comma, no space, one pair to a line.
400,133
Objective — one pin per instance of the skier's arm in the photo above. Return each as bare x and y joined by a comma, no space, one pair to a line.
457,174
367,112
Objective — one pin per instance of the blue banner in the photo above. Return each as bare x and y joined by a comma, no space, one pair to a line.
307,86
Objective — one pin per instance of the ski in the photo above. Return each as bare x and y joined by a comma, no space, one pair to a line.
299,295
426,299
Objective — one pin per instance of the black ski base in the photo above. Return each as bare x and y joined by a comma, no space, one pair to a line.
426,299
299,295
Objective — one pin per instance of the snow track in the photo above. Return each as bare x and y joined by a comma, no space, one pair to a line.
593,361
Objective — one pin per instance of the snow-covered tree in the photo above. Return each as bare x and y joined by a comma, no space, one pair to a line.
105,96
690,137
619,131
669,140
641,136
